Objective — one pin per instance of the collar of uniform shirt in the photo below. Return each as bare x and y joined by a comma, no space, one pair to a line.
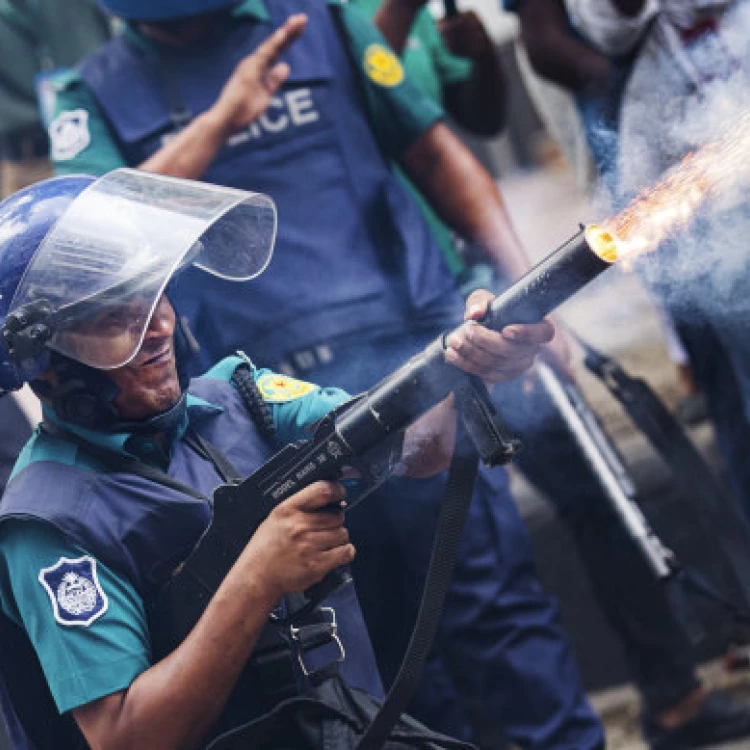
131,444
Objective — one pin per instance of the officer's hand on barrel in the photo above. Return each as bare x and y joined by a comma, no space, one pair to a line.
495,357
256,79
301,540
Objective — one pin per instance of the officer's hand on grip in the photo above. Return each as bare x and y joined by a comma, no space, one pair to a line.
256,79
495,357
302,540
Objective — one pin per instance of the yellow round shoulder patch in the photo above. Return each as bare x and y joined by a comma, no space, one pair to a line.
278,388
382,66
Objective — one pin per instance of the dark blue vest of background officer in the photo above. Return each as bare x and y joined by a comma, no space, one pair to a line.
357,286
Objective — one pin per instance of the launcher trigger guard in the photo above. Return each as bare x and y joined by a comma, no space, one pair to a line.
491,438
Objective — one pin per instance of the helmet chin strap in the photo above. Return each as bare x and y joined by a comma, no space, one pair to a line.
85,396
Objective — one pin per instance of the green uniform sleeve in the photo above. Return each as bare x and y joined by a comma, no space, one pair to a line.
399,111
80,663
80,139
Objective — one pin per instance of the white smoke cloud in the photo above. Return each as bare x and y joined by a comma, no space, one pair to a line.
677,99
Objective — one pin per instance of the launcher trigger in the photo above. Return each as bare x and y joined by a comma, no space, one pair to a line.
491,438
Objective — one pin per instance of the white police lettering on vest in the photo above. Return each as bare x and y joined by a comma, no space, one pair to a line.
294,108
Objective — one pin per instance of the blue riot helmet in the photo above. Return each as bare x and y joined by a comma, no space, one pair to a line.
84,262
25,220
162,10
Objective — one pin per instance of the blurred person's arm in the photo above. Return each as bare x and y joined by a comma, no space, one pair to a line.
478,103
410,130
476,100
82,142
395,19
554,52
244,98
614,26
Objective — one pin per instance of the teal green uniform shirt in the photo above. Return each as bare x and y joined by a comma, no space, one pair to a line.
416,113
431,66
84,663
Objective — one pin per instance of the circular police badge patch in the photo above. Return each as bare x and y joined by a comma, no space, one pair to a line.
76,594
74,590
69,134
280,388
382,66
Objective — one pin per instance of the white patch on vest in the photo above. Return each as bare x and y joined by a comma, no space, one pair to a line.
74,590
294,108
69,134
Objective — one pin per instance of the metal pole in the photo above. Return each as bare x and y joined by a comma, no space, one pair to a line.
607,468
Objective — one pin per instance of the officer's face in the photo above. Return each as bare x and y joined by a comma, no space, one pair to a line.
148,383
183,31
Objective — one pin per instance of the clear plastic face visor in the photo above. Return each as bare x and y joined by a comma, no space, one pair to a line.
105,264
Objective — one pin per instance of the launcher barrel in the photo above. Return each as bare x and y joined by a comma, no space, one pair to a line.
426,379
554,280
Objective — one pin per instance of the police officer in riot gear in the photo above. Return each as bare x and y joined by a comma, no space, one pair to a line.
177,94
88,540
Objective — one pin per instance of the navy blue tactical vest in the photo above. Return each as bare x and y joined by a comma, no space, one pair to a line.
143,531
353,253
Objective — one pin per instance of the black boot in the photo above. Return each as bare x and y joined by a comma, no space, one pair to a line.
721,718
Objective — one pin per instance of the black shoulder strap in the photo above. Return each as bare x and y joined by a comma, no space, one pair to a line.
210,452
445,549
116,462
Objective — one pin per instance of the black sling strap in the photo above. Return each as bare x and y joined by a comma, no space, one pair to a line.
118,462
445,548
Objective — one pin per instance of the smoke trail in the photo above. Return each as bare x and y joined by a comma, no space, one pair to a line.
712,176
685,130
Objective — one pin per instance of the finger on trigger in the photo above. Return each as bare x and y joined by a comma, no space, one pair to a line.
321,494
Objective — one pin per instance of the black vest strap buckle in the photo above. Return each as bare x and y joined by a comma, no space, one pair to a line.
312,636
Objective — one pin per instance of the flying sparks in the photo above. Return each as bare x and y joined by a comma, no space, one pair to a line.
660,212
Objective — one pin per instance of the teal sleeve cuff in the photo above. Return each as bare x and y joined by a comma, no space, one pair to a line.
96,681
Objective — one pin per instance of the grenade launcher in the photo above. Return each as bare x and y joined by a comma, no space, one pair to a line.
365,432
